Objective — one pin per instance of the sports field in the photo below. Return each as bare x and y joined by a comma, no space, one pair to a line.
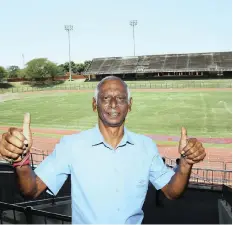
205,114
159,113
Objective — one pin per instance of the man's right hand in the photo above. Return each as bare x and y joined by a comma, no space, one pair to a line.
16,142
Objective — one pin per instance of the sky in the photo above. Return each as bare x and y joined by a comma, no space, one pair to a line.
101,28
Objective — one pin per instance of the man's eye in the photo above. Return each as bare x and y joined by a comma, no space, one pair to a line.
106,98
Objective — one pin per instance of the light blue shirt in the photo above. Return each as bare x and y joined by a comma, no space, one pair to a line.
107,186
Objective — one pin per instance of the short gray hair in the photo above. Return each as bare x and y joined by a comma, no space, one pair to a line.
97,89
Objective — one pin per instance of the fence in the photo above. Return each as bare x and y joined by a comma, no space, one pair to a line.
176,85
36,157
22,213
139,85
198,175
207,175
211,176
12,213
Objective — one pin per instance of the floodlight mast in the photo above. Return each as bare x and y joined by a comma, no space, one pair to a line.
133,23
69,28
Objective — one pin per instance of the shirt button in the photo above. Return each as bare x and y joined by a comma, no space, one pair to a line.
117,190
118,209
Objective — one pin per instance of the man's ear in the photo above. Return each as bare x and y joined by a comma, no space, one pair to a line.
130,104
94,104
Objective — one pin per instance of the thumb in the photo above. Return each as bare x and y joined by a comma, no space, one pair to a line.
26,128
183,139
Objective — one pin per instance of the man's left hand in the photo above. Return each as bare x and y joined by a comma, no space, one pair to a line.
191,149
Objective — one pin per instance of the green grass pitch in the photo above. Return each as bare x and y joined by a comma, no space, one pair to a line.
204,114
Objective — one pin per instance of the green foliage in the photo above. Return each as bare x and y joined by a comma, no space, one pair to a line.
60,70
41,68
87,64
3,73
22,73
76,68
66,67
13,72
79,67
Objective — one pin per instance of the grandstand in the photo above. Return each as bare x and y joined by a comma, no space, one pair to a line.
201,64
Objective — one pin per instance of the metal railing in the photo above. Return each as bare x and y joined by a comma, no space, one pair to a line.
198,175
211,176
139,85
12,213
207,175
37,158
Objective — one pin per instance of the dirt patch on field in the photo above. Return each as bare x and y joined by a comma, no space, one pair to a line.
9,96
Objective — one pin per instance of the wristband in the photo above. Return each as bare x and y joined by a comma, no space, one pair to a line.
25,161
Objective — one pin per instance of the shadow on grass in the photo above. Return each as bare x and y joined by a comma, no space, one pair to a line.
6,85
43,84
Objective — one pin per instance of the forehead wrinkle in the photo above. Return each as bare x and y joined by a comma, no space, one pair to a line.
112,91
113,87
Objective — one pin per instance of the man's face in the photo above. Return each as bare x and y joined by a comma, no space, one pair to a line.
112,104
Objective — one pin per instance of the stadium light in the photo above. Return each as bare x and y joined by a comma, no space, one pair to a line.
133,23
69,28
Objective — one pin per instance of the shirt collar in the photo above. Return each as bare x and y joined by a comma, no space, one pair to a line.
98,137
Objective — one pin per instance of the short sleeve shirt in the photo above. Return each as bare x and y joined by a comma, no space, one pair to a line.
107,185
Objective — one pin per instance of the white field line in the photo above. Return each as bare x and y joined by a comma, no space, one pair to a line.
225,106
204,111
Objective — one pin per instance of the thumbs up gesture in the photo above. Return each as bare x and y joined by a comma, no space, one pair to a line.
190,148
16,142
27,130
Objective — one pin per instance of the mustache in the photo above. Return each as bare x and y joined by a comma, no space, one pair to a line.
112,111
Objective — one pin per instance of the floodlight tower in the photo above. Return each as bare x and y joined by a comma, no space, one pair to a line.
133,23
69,28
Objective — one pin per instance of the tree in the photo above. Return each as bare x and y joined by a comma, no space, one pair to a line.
13,71
87,63
61,70
3,73
22,73
66,67
79,67
75,67
41,68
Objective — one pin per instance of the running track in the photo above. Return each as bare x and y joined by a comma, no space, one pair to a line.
217,158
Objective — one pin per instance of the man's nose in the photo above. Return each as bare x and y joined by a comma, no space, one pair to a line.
113,103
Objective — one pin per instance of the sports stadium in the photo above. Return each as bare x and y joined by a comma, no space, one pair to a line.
169,91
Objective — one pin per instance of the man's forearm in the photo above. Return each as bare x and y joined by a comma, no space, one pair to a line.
27,181
179,181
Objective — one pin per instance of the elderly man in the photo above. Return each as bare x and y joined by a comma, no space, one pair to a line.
110,166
